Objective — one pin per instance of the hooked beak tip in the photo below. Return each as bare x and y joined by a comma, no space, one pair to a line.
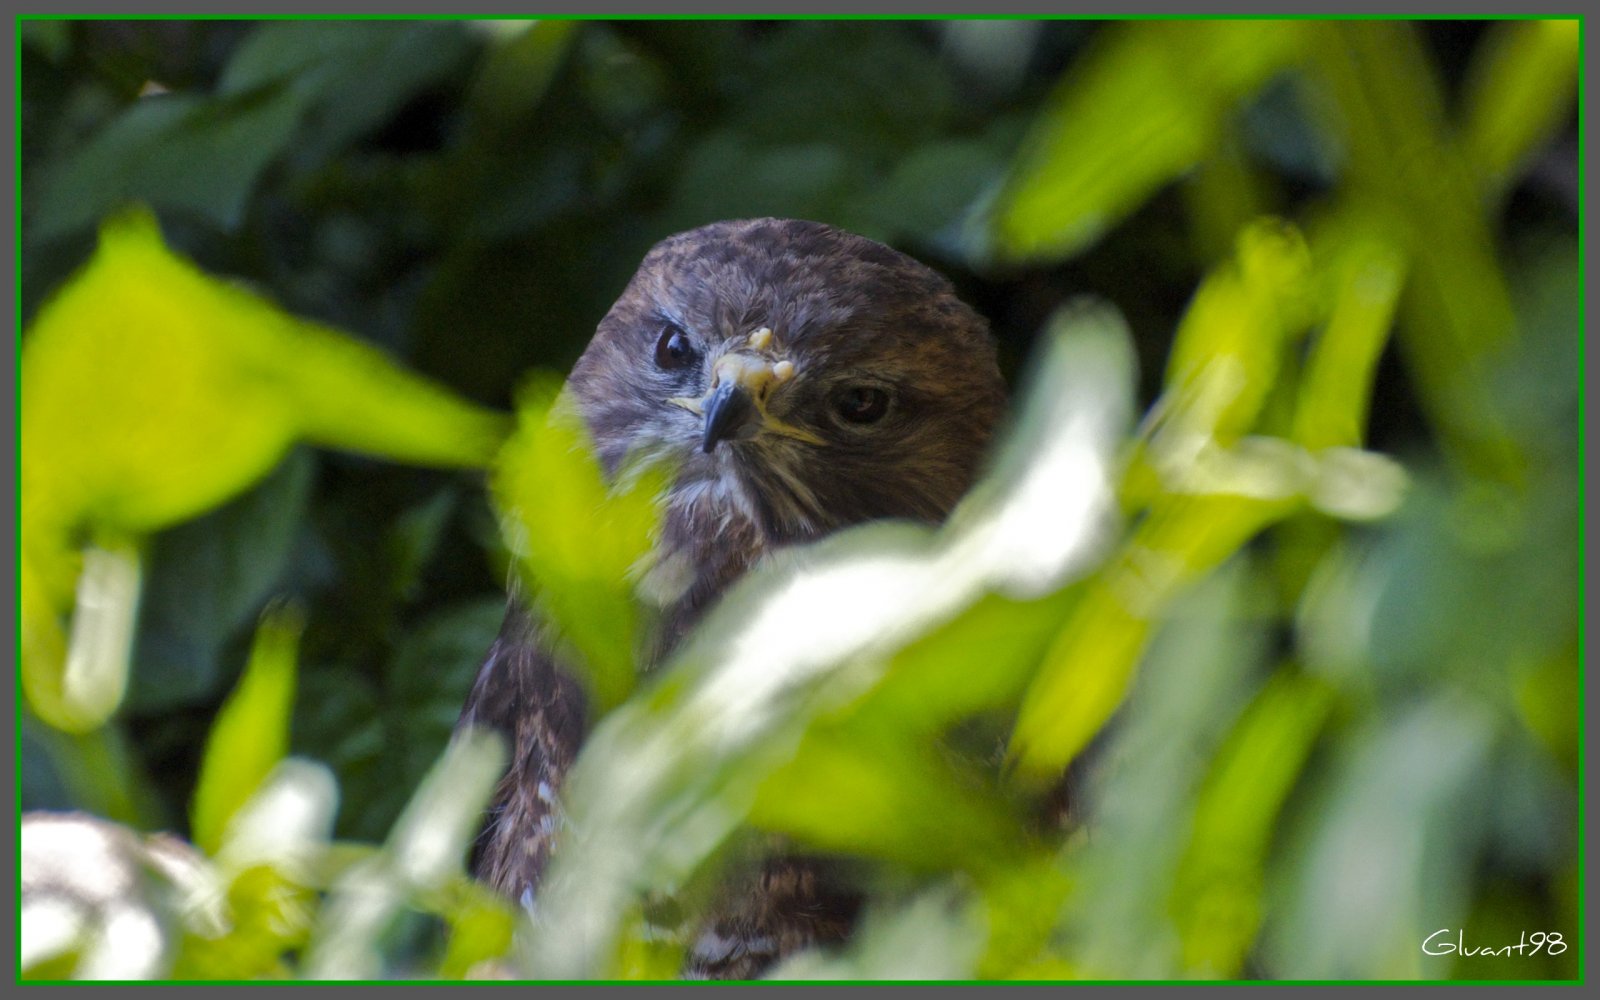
729,407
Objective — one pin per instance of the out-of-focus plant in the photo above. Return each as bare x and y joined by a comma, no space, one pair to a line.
1405,235
245,901
151,393
1324,697
580,579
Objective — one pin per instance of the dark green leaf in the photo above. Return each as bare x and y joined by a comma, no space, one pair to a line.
176,151
210,577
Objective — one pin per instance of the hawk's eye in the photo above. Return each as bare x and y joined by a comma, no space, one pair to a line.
861,404
673,349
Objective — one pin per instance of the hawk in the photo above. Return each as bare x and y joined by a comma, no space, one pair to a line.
801,379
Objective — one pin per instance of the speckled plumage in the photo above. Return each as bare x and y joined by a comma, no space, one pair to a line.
846,312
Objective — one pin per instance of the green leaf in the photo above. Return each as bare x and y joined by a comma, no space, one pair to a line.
1208,487
1520,89
1022,902
1216,895
1205,499
730,175
138,408
931,682
99,771
339,718
429,677
152,392
251,733
1224,194
208,579
482,926
383,739
580,542
423,856
1365,273
866,90
1205,661
350,396
929,190
1405,804
867,789
1226,353
262,894
175,151
521,63
1406,166
51,39
349,80
1143,107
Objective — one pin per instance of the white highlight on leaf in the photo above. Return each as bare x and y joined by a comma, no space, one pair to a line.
129,946
425,848
285,823
49,927
107,608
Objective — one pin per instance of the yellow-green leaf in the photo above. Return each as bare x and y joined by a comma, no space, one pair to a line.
1217,896
872,791
481,928
1366,274
580,541
251,732
152,392
1132,116
1087,670
139,406
1225,353
1457,321
1520,89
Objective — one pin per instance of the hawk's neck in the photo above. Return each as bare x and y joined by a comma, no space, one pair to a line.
711,535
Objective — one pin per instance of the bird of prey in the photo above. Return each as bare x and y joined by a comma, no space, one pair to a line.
801,379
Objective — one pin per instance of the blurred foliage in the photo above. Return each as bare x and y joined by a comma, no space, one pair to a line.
1292,601
581,580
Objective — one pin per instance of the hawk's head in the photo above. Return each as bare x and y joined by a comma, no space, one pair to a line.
801,378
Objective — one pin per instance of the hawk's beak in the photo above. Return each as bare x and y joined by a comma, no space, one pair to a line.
741,383
728,408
